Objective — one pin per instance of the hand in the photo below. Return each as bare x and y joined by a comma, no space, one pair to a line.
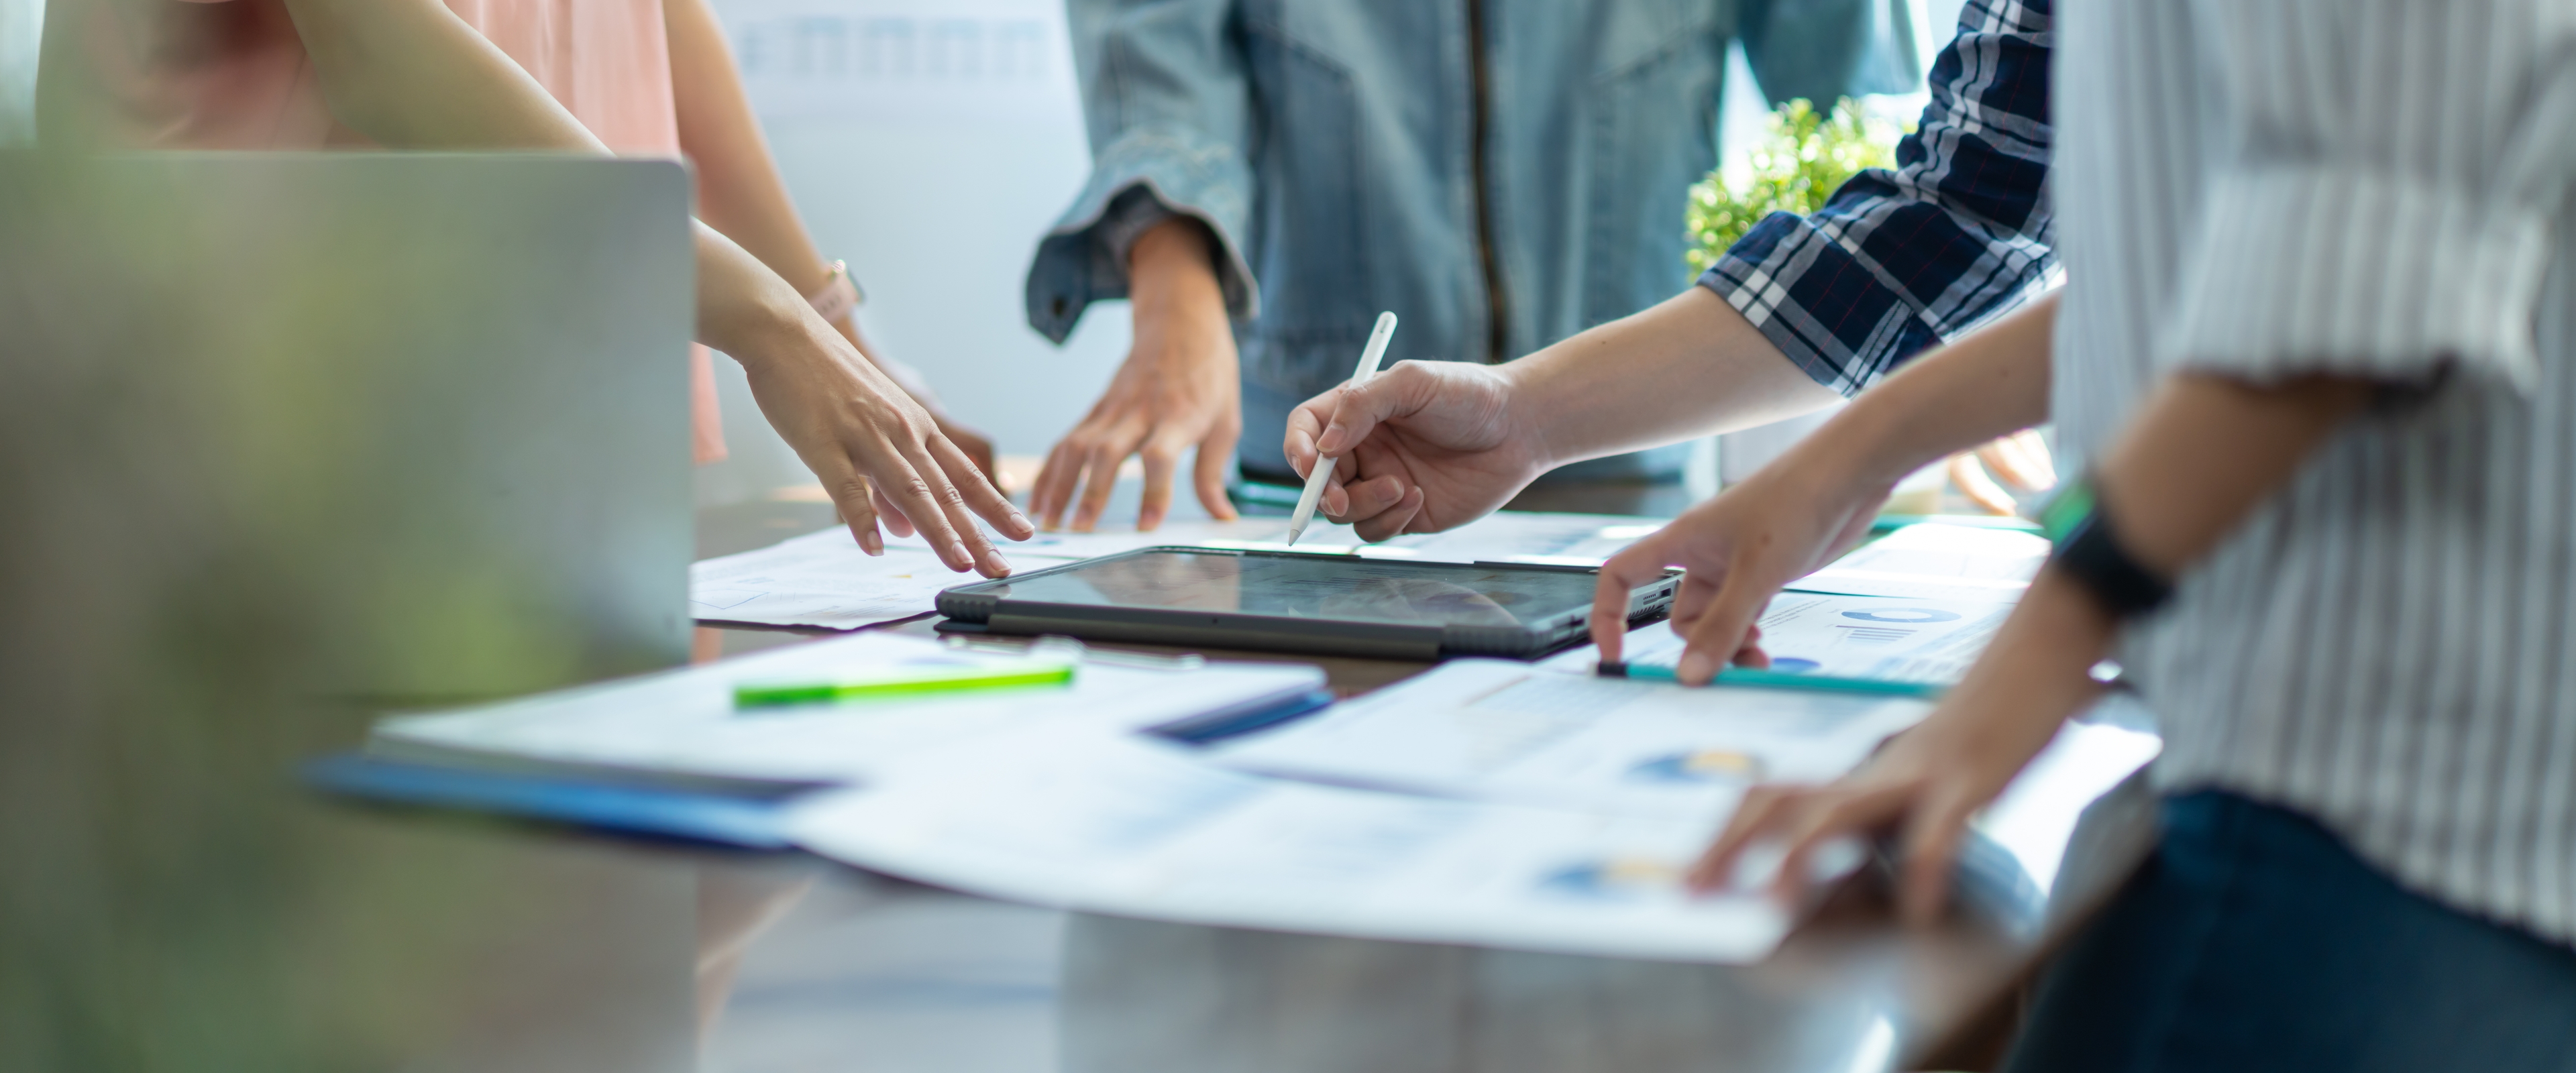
1796,515
978,448
1179,389
1423,446
879,453
1928,781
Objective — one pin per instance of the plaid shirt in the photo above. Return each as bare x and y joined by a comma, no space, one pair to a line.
1959,232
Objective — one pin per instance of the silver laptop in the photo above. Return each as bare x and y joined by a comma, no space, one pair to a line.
425,417
286,441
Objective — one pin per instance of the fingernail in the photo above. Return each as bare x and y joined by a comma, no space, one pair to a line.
963,555
1001,566
1695,669
871,543
1021,520
1331,441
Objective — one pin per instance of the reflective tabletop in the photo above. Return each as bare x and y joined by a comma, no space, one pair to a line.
810,965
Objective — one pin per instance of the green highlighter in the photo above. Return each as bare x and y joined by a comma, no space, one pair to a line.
896,682
1748,676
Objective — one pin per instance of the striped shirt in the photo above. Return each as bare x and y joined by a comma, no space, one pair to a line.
2370,188
1899,260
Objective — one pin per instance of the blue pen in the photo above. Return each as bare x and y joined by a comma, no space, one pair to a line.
1762,679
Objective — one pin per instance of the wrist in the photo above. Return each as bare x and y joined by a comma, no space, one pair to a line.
1531,414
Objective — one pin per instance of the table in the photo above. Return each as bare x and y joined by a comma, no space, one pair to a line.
1006,987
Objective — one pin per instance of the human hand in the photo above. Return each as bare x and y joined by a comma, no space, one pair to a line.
1423,446
878,453
1178,389
1928,782
1736,550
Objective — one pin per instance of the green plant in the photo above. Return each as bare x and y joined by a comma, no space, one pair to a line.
1805,157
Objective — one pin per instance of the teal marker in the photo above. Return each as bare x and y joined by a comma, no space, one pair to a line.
1889,523
905,682
1762,679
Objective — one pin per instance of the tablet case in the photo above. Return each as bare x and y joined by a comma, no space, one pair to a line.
976,603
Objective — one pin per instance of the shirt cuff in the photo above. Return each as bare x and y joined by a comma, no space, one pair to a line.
1142,179
1825,309
1131,214
2311,270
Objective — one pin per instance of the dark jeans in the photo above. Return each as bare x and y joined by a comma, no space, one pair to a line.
2254,940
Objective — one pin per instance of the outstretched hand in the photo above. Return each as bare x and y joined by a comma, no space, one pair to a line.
1423,446
1736,551
1930,781
1178,391
881,456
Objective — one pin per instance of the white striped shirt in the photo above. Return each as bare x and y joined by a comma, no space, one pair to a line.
2376,188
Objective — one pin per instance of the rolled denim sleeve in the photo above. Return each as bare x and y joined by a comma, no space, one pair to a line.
1168,106
1962,229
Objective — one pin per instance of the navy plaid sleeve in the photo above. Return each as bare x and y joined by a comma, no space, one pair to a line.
1960,231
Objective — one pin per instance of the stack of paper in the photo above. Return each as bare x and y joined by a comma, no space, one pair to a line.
1125,826
682,726
1939,562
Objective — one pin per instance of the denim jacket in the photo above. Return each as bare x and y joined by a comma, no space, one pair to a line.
1333,147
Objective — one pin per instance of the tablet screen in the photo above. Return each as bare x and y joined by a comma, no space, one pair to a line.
1334,587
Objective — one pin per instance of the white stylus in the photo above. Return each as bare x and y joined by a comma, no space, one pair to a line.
1370,356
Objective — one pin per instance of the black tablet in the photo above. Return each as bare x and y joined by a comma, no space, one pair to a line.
1297,602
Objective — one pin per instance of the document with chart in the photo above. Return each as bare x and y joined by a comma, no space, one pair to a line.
1916,640
1935,561
1505,731
1121,824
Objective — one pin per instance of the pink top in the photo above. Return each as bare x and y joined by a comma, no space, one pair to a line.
231,74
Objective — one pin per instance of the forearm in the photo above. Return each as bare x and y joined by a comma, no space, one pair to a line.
1989,384
2204,451
2201,454
1690,366
745,310
411,75
739,190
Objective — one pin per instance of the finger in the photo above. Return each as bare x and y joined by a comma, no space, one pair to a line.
981,495
1100,477
892,519
1973,482
854,499
1640,564
1215,462
1393,520
1053,491
1827,816
1754,815
1161,456
1719,632
965,538
1305,423
914,495
1750,653
1932,837
1364,500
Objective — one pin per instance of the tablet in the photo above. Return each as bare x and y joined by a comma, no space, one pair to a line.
1299,602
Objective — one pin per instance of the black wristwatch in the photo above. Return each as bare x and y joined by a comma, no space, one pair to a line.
2088,549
